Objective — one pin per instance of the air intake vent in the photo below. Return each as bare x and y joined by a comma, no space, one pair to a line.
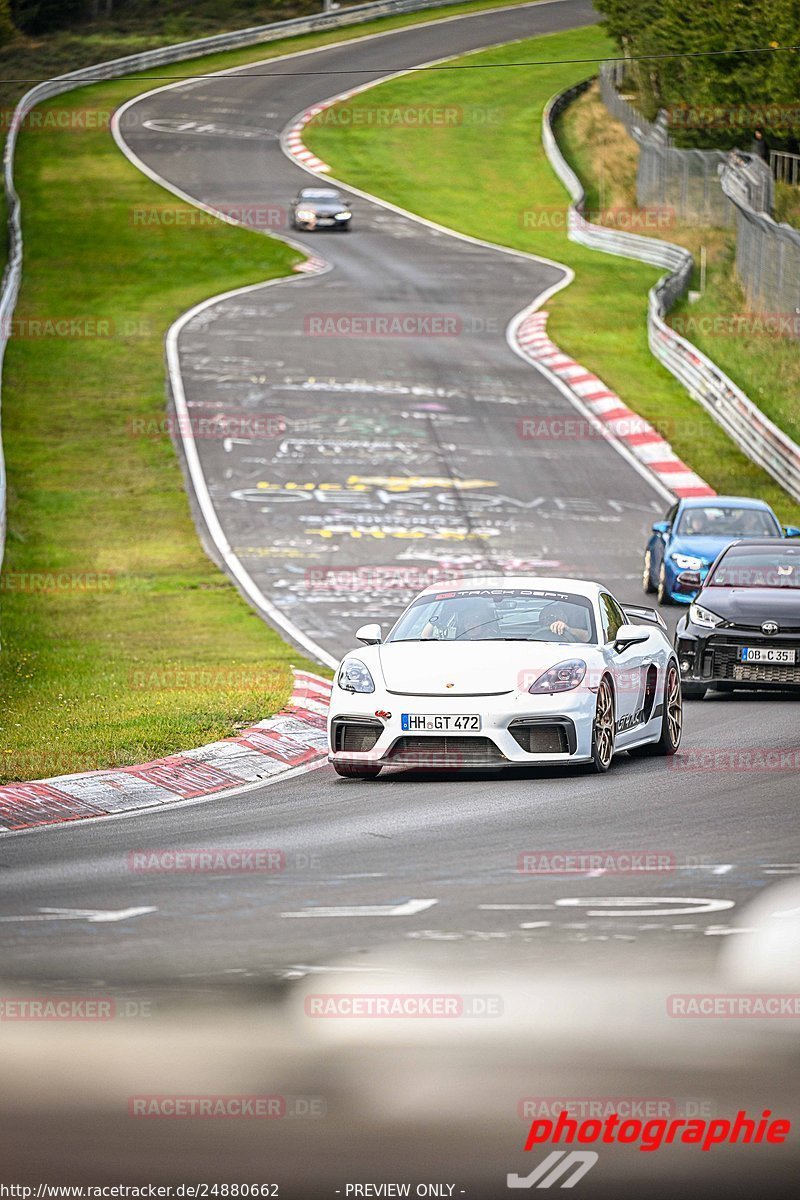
445,752
540,738
356,737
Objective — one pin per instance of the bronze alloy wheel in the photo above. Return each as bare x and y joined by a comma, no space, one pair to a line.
671,719
673,707
603,728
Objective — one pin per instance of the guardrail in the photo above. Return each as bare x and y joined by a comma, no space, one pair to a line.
126,66
785,167
752,431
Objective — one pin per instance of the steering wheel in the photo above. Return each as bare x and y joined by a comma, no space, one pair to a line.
566,636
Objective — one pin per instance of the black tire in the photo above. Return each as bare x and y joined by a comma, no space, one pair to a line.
671,719
603,728
693,691
664,597
357,770
647,575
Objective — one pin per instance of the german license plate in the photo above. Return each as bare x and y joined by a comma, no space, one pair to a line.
767,654
430,723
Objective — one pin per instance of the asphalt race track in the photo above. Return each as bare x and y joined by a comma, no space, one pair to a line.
415,437
433,408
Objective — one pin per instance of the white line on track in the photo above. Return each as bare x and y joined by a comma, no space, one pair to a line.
408,909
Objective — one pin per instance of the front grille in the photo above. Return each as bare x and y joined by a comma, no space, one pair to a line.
356,737
447,752
722,661
540,738
767,672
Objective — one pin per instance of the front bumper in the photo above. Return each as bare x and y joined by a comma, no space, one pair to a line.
325,222
515,730
711,656
678,597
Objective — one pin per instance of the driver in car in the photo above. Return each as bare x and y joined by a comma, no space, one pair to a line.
558,619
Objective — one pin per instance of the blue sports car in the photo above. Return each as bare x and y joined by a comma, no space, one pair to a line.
694,532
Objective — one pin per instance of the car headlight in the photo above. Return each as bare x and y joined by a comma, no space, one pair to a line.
343,216
563,677
354,677
305,214
702,616
687,562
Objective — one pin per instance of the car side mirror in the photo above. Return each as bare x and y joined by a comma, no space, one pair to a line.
630,635
689,581
662,527
791,531
370,635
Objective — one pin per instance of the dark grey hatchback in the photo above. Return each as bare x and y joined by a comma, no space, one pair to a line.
320,208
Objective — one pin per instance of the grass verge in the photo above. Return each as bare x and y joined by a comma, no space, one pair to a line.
502,188
765,366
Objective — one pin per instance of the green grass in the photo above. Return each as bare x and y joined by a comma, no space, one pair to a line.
787,204
97,677
496,187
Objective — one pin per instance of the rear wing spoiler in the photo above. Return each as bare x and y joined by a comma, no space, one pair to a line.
640,614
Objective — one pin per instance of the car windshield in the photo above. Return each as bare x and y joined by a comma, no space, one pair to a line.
725,521
758,568
314,194
497,615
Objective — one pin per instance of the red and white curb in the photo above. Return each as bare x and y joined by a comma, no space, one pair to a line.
638,435
293,137
311,265
294,737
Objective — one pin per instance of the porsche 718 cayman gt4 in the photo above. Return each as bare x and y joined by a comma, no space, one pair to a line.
499,672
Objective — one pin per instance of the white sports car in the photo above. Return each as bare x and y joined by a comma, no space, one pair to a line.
498,672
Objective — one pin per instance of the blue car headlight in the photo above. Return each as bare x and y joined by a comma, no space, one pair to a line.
563,677
688,562
354,676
